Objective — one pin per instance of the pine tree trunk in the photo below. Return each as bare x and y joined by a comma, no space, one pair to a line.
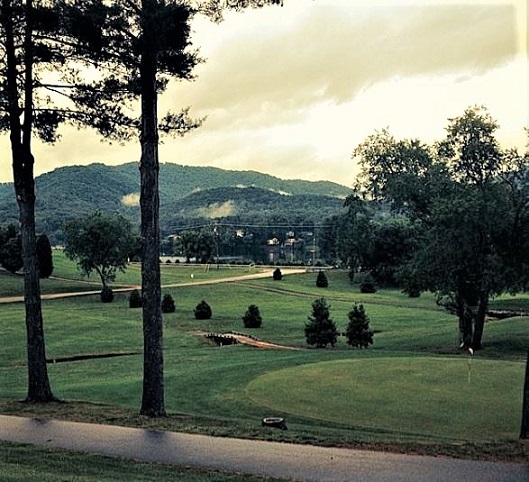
153,404
39,389
20,136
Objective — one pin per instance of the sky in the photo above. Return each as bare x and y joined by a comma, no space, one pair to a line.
291,91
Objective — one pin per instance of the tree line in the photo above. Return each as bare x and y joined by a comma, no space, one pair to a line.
452,218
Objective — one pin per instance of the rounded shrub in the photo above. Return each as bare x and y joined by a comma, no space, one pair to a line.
252,318
107,295
367,284
168,305
321,280
278,276
202,311
135,299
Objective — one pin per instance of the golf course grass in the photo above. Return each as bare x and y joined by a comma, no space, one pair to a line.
411,390
419,396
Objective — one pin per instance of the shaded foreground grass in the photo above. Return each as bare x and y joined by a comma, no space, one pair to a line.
21,463
227,391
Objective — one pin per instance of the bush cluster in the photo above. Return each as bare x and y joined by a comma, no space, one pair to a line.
320,330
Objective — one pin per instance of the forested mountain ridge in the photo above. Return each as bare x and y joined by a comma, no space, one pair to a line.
186,193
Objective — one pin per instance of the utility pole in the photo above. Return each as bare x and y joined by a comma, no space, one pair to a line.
216,234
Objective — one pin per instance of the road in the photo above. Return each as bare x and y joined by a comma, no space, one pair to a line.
266,459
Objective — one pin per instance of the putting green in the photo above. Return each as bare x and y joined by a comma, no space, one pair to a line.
430,396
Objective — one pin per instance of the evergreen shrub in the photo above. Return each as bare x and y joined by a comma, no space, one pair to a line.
358,333
320,330
107,295
135,299
252,318
168,305
367,284
202,311
321,280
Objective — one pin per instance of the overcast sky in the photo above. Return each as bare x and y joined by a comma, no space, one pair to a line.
292,91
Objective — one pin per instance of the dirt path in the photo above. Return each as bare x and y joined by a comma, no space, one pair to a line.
55,296
247,340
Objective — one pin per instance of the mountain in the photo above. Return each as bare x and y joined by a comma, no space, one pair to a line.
187,194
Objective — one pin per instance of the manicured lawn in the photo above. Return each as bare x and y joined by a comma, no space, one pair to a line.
411,386
409,395
66,276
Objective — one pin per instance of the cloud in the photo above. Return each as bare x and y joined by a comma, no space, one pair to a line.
291,91
132,199
334,53
217,210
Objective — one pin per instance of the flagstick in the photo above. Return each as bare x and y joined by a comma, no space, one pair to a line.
471,351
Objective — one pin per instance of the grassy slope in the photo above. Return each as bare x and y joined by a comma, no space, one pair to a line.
228,390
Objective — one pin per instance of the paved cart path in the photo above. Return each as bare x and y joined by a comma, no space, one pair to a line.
272,459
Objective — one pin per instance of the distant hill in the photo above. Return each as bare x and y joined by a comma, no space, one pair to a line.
187,194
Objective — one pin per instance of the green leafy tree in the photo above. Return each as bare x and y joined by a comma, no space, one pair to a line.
197,244
99,243
354,233
320,330
469,203
252,317
44,256
358,333
10,249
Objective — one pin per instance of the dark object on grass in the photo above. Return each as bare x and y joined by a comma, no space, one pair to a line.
107,295
168,305
135,299
367,284
252,318
202,311
278,276
321,280
275,422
